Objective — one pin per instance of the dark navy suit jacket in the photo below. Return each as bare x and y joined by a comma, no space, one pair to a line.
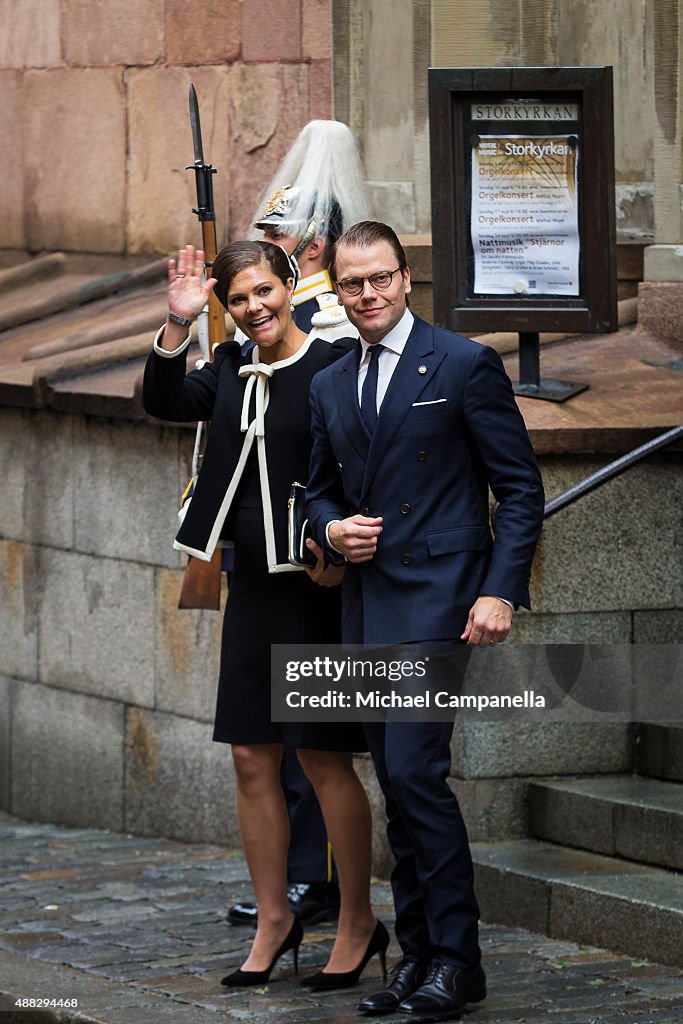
448,430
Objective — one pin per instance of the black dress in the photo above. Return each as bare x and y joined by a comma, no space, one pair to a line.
269,601
263,609
267,608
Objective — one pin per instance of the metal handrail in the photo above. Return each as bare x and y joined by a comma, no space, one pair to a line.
613,469
603,475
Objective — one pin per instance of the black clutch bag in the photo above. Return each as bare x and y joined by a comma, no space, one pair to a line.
298,530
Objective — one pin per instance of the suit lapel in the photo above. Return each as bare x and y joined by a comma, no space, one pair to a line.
415,369
346,393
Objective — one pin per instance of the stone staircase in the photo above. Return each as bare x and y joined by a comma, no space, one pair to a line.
604,861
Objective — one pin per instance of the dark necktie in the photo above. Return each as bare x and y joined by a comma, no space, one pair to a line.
368,396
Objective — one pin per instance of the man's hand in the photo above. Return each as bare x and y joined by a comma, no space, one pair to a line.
356,537
324,577
489,622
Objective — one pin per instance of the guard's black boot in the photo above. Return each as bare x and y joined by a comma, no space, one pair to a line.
312,902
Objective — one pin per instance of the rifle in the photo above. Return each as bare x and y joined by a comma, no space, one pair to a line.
201,586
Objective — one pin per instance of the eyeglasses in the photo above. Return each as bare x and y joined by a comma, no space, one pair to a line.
354,285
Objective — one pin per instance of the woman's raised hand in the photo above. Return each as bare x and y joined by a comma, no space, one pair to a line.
187,292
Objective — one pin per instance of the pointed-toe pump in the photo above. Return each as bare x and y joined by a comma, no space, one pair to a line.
242,979
324,980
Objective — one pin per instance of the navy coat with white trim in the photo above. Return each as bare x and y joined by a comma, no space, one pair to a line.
216,392
448,429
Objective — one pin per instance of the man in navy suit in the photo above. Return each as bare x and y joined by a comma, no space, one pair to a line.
409,433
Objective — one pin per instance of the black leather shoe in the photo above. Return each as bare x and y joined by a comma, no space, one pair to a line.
406,977
312,902
446,990
243,913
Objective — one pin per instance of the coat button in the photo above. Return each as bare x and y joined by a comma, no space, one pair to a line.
405,509
365,511
422,456
407,559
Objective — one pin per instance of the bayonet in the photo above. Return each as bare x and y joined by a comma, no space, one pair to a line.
196,127
202,171
206,213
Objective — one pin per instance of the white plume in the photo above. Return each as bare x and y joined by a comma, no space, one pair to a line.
325,166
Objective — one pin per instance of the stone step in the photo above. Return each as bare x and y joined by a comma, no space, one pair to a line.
659,750
618,815
586,897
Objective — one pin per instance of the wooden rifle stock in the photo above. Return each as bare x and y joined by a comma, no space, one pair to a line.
201,586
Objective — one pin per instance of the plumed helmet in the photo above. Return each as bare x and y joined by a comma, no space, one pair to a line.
318,188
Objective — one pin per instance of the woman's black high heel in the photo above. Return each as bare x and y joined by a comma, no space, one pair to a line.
241,979
324,980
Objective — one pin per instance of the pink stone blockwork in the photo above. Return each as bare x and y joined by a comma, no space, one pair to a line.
111,32
75,159
269,106
202,33
29,33
320,89
11,161
271,30
660,310
162,192
316,29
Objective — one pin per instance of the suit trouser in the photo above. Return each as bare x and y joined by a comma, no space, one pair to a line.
432,881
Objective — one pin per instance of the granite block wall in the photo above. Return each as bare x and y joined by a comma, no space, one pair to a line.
107,690
100,164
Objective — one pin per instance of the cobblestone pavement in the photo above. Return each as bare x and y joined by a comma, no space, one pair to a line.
134,930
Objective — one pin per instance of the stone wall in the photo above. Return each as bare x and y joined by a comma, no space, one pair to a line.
107,690
94,114
607,571
380,41
99,165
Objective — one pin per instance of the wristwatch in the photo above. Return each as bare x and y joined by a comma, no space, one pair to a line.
183,321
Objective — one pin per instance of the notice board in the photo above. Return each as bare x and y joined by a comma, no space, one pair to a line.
523,219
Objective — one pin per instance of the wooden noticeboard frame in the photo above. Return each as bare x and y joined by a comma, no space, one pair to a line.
572,110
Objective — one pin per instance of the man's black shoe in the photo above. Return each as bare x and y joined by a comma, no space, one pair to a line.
312,901
406,977
446,990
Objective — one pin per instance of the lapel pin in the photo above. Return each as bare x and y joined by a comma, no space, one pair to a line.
422,369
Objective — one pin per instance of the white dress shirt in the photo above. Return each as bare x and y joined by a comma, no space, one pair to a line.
394,343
